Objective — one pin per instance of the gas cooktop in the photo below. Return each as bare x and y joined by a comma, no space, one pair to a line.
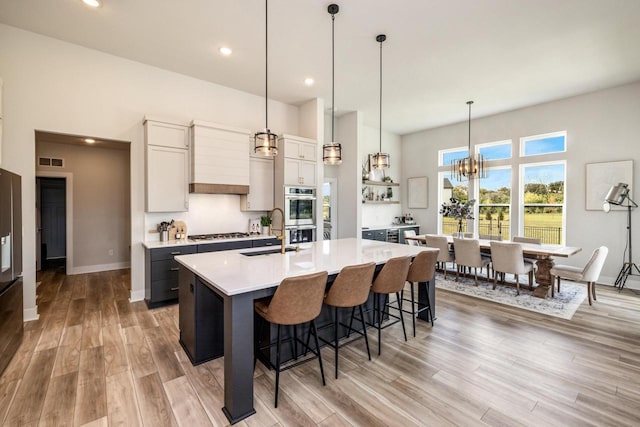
218,236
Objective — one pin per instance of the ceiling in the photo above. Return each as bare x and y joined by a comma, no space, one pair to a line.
503,54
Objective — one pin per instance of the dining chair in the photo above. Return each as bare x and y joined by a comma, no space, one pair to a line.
350,289
507,258
467,253
297,300
445,254
589,273
390,280
411,233
531,241
421,270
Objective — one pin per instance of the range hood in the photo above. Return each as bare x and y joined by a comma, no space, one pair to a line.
218,188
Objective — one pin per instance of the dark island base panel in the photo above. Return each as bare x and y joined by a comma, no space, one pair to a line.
202,322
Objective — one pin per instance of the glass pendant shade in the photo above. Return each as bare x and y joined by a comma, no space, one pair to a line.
332,152
265,143
472,166
381,160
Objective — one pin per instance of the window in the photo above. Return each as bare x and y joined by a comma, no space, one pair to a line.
449,187
543,144
494,203
542,191
496,150
446,156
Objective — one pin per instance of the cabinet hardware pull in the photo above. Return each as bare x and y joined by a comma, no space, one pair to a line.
175,289
175,269
175,253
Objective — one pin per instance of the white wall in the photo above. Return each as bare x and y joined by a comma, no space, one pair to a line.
601,126
348,131
377,214
60,87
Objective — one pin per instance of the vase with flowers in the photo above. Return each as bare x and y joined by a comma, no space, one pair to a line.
458,210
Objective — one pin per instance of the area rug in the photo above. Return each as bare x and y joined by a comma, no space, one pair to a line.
564,304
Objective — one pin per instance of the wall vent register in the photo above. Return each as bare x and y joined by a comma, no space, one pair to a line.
52,162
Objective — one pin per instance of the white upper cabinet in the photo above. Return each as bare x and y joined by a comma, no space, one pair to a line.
219,159
297,160
260,197
166,166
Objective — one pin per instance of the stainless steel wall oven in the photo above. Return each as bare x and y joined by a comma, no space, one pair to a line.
299,206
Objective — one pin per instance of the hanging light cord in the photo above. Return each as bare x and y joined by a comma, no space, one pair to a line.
266,64
333,75
381,95
469,102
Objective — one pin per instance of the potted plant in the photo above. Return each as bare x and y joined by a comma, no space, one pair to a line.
265,222
458,210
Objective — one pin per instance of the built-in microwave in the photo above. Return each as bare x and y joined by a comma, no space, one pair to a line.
302,234
299,206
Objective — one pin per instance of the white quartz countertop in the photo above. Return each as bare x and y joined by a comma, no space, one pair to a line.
232,273
183,242
384,227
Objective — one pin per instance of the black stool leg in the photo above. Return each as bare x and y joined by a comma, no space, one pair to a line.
429,303
364,330
379,324
277,366
295,342
335,337
315,336
413,309
353,312
404,331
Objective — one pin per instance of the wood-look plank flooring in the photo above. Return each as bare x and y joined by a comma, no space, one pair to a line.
93,358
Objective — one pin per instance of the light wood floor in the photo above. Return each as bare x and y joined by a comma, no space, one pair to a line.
95,359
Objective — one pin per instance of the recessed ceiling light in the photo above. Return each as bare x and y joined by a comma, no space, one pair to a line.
92,3
90,140
308,81
226,51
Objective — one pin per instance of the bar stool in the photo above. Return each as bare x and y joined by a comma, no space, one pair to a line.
391,279
422,269
350,289
296,301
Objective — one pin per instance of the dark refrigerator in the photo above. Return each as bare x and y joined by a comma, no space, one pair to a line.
11,310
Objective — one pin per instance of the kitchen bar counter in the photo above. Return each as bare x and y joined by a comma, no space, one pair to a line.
386,227
182,242
238,280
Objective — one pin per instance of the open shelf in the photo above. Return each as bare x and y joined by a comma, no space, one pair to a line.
381,183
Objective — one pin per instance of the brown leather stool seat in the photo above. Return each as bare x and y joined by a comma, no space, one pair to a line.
297,300
422,269
350,289
390,280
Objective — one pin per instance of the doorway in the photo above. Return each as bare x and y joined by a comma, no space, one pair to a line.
329,209
51,220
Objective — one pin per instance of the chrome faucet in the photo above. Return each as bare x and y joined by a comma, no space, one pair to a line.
281,236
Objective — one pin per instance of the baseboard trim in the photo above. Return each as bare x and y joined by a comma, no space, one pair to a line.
30,314
98,268
136,296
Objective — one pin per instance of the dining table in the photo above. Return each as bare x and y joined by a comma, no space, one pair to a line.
239,277
543,253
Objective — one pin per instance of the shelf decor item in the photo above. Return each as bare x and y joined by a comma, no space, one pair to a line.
266,142
458,210
472,166
381,160
332,152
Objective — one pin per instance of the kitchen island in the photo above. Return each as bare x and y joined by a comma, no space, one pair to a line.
238,279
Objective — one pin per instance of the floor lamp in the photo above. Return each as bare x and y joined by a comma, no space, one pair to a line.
617,195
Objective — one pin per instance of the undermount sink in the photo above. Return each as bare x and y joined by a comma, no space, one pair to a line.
267,252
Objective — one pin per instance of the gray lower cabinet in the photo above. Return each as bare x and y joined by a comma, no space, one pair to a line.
258,243
201,319
161,274
381,235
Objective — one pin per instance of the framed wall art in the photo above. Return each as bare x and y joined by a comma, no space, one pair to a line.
417,193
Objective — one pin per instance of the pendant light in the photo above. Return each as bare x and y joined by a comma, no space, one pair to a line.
332,152
266,142
381,160
472,166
